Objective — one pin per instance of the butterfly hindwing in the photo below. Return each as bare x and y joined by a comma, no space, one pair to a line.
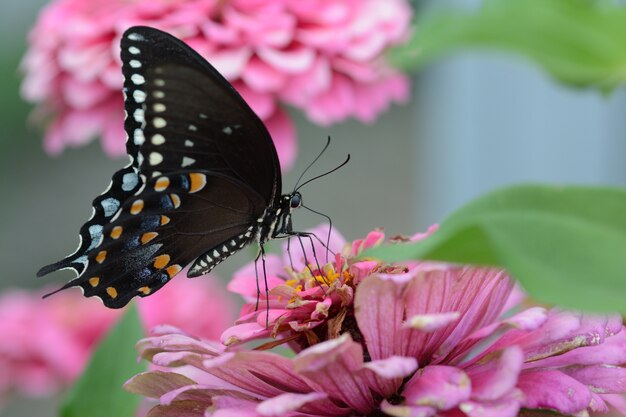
124,184
157,232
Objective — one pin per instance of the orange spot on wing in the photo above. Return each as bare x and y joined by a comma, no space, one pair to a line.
145,290
173,270
175,200
164,220
161,261
161,184
136,207
116,232
112,292
94,281
198,181
101,256
147,237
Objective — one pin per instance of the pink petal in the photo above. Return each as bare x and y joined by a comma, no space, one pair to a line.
373,238
285,403
500,408
156,383
611,352
430,322
392,367
244,280
335,363
553,390
495,378
617,401
406,410
440,387
478,294
379,311
243,332
231,63
292,60
530,319
262,77
262,373
602,379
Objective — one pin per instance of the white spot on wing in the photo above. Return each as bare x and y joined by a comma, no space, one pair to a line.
138,115
193,128
137,79
110,206
159,122
135,37
134,50
188,143
95,232
129,181
158,94
155,158
159,107
187,161
134,63
138,137
158,139
227,130
159,82
139,96
203,116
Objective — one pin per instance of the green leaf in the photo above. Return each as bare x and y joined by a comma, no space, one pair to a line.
566,245
580,42
99,392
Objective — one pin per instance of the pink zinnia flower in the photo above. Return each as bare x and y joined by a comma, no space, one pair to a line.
322,56
420,339
46,343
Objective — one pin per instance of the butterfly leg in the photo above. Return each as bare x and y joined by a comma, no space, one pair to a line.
289,254
261,255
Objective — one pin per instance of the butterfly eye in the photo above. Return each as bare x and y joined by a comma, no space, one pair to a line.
296,200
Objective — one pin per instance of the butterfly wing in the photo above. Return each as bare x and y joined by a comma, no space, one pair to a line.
203,170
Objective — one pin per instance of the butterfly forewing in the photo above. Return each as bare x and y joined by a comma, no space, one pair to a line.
183,114
203,171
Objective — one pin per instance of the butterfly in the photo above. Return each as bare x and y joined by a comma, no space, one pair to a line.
203,182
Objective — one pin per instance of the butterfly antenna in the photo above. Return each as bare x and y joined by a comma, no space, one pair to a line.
324,174
311,164
330,227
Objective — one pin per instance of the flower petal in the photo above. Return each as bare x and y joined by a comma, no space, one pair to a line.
602,379
501,408
392,367
333,366
494,378
156,383
379,311
406,410
437,386
430,322
282,404
553,390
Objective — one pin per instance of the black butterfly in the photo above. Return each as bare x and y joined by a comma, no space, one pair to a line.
203,182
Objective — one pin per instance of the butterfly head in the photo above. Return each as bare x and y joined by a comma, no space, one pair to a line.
295,200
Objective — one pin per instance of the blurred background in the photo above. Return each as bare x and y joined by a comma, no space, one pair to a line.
476,121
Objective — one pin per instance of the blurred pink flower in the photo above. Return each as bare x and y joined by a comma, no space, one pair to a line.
321,56
72,324
417,339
